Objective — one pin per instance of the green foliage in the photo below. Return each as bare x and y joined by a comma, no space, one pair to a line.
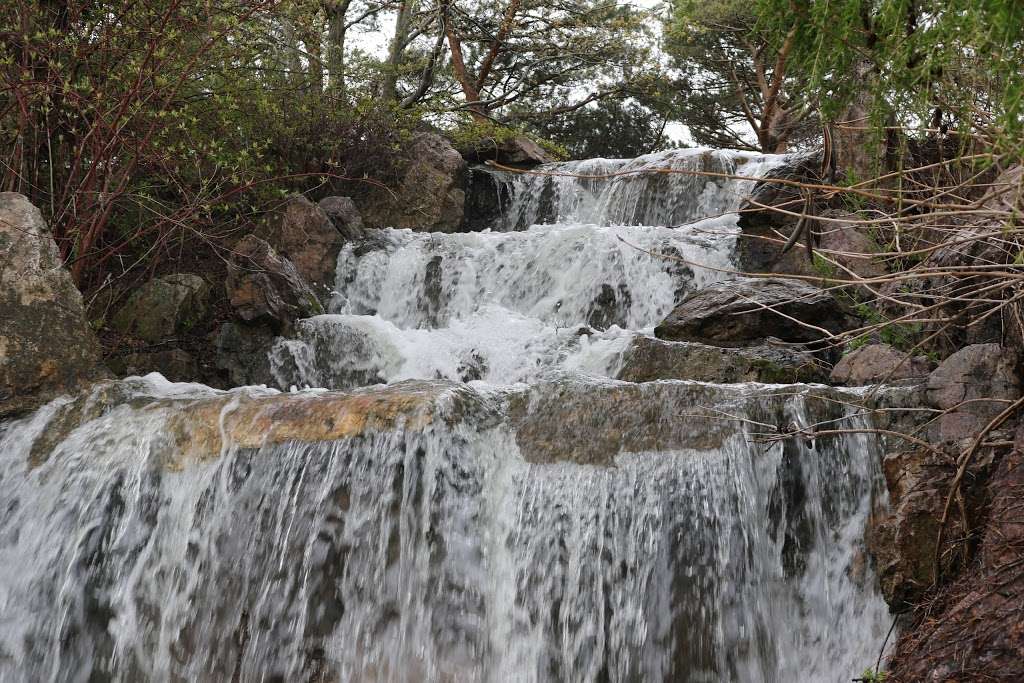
870,675
911,56
610,129
728,69
141,128
902,336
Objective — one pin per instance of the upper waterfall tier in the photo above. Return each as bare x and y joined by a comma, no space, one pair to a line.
666,188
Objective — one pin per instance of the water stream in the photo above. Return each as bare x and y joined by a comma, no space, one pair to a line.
502,510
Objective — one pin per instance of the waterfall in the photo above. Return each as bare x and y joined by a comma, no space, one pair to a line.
667,188
456,488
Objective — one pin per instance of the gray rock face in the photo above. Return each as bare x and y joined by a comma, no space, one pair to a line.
979,624
742,311
876,363
344,215
263,286
46,344
519,151
901,538
242,353
974,385
1007,191
759,249
164,307
851,246
431,194
649,359
301,232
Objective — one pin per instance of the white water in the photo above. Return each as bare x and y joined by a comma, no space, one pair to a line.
512,306
570,529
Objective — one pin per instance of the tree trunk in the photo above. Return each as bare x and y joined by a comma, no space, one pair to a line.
336,30
858,151
389,86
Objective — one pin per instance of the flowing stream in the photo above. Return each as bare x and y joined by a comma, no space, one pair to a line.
482,501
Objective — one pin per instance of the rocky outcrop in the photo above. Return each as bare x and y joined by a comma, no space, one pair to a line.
264,287
763,232
972,386
163,307
876,363
516,151
46,344
302,232
848,248
487,196
974,630
649,359
344,215
241,352
901,538
431,194
743,311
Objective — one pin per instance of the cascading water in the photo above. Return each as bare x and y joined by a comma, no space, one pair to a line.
507,513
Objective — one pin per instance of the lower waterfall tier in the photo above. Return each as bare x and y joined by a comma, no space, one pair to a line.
573,530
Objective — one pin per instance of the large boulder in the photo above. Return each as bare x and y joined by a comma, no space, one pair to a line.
46,344
876,363
242,353
763,231
344,215
649,359
431,194
743,311
164,307
901,537
265,287
302,232
516,151
972,386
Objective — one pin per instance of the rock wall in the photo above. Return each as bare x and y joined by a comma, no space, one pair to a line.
47,346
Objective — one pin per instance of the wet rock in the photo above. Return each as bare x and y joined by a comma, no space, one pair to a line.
163,307
265,287
176,365
46,344
876,363
344,215
649,359
198,428
610,307
763,232
301,232
746,310
590,423
242,353
973,385
487,196
902,537
431,194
